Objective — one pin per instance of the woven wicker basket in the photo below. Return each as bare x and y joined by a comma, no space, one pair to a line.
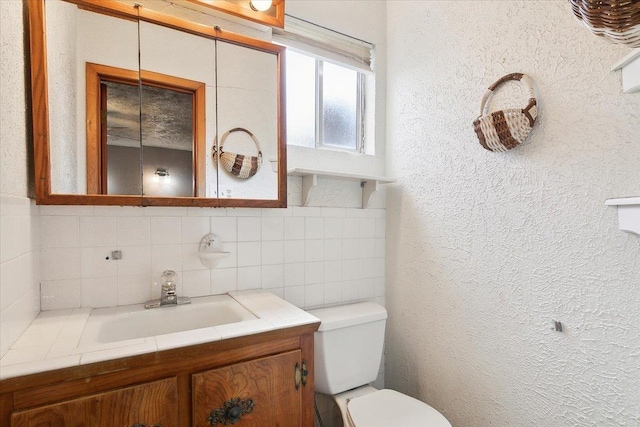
616,20
506,129
240,165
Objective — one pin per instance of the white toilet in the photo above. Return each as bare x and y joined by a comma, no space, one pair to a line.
348,349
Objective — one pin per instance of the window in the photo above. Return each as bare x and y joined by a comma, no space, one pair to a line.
324,104
327,74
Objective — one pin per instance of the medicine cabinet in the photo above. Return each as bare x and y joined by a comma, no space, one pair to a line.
130,104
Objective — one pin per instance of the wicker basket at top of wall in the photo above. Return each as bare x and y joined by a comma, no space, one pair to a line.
616,20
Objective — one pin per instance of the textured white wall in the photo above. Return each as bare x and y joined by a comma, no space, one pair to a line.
62,41
13,145
19,222
485,249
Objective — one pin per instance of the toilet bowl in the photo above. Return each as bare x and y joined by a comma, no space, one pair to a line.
369,407
347,352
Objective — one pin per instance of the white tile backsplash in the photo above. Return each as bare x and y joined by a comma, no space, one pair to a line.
272,228
165,257
60,231
97,262
99,292
249,278
294,251
19,267
333,228
314,228
195,228
314,250
132,231
314,295
294,228
15,231
196,283
272,276
226,228
166,230
190,259
249,254
333,249
272,252
60,263
133,289
60,294
249,229
310,256
313,272
332,271
97,231
136,260
295,295
294,274
17,275
351,228
224,280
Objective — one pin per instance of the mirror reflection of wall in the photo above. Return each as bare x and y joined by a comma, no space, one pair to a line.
247,98
76,37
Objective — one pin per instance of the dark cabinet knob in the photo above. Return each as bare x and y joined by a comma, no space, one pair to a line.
231,412
144,425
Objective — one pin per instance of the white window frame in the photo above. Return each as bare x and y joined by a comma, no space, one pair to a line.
325,45
360,116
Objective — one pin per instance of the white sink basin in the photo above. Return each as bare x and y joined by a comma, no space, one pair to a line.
107,325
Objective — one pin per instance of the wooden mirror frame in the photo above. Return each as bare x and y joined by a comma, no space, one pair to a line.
40,108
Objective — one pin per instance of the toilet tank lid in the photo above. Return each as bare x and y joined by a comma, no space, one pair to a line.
349,315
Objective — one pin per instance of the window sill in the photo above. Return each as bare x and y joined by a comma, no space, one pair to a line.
369,183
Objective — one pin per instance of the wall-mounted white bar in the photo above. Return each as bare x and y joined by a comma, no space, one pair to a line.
630,66
628,213
369,183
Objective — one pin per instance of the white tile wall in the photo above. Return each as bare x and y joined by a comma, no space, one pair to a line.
19,266
310,256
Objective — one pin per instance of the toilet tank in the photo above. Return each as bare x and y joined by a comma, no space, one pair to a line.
348,346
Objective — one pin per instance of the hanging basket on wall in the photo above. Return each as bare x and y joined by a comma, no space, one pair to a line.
616,20
503,130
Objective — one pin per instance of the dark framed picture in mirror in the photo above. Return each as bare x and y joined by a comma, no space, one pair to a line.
145,133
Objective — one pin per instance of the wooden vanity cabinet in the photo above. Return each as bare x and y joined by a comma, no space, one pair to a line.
147,404
266,386
264,379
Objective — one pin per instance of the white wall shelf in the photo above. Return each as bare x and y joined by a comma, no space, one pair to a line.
630,66
369,183
628,213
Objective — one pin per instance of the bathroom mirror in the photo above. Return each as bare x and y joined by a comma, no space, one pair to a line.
129,106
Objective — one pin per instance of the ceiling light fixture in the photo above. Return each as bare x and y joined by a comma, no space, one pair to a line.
260,5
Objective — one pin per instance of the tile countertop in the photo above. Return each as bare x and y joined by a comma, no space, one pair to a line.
52,340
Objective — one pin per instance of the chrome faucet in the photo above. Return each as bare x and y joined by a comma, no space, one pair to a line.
168,294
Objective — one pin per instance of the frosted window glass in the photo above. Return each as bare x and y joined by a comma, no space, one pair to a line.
340,98
301,99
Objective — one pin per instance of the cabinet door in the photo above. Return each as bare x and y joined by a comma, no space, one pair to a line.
152,404
268,382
